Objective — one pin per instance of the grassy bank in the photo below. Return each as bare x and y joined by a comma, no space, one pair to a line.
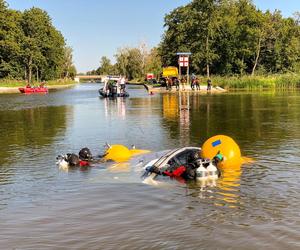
18,83
280,81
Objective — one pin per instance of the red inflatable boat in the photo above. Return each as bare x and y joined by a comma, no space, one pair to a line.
30,90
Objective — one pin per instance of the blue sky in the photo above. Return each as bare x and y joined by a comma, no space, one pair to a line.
96,28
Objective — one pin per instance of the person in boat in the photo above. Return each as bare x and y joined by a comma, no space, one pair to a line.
118,85
28,85
122,85
42,85
105,87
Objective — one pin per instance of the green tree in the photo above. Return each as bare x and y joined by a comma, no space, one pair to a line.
43,47
105,66
69,70
129,62
10,40
153,62
231,37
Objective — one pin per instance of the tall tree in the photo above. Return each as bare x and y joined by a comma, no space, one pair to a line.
43,47
129,62
105,66
69,68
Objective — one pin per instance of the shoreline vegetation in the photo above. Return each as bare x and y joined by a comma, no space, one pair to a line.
256,49
32,48
232,42
247,82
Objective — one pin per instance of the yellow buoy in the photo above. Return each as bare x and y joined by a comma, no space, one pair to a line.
226,146
117,153
120,153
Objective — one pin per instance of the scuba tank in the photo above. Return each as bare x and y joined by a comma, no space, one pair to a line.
201,171
212,171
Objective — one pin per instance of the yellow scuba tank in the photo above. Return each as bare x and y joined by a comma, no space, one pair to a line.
227,147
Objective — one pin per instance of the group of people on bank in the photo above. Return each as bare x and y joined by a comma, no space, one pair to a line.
194,83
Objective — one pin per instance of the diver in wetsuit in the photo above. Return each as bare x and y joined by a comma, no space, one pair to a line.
187,172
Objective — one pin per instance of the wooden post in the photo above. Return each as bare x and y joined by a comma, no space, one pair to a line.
179,76
188,75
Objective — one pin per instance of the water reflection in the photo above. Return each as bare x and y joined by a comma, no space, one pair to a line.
24,132
176,108
115,107
247,208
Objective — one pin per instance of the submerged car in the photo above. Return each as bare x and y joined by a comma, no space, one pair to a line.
172,158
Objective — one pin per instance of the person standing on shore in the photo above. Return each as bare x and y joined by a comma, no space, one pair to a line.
209,84
167,82
176,81
197,83
193,81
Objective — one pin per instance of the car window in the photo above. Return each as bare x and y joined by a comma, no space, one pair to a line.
181,158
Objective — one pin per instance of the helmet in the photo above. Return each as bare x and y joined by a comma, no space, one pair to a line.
85,154
72,159
193,157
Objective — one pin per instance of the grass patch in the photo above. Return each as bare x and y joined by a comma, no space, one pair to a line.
278,81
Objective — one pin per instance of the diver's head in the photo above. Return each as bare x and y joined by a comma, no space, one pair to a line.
85,154
193,157
72,160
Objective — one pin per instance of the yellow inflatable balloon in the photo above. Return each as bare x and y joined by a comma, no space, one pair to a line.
120,153
226,146
117,153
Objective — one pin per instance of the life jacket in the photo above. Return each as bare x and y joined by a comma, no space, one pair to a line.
84,163
176,173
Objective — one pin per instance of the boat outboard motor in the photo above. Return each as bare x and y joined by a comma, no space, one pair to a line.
85,154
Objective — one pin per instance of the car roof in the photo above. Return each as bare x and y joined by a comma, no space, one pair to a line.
172,153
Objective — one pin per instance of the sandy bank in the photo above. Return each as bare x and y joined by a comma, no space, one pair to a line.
186,88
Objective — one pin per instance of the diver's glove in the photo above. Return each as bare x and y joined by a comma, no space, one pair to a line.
153,169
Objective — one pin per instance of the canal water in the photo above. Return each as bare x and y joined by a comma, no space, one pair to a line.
108,207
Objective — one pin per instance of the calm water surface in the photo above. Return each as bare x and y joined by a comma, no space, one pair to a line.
107,207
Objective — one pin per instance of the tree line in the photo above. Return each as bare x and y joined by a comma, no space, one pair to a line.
132,62
229,37
31,47
225,37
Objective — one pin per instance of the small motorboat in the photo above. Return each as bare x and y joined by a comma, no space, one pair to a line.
112,94
112,89
31,90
